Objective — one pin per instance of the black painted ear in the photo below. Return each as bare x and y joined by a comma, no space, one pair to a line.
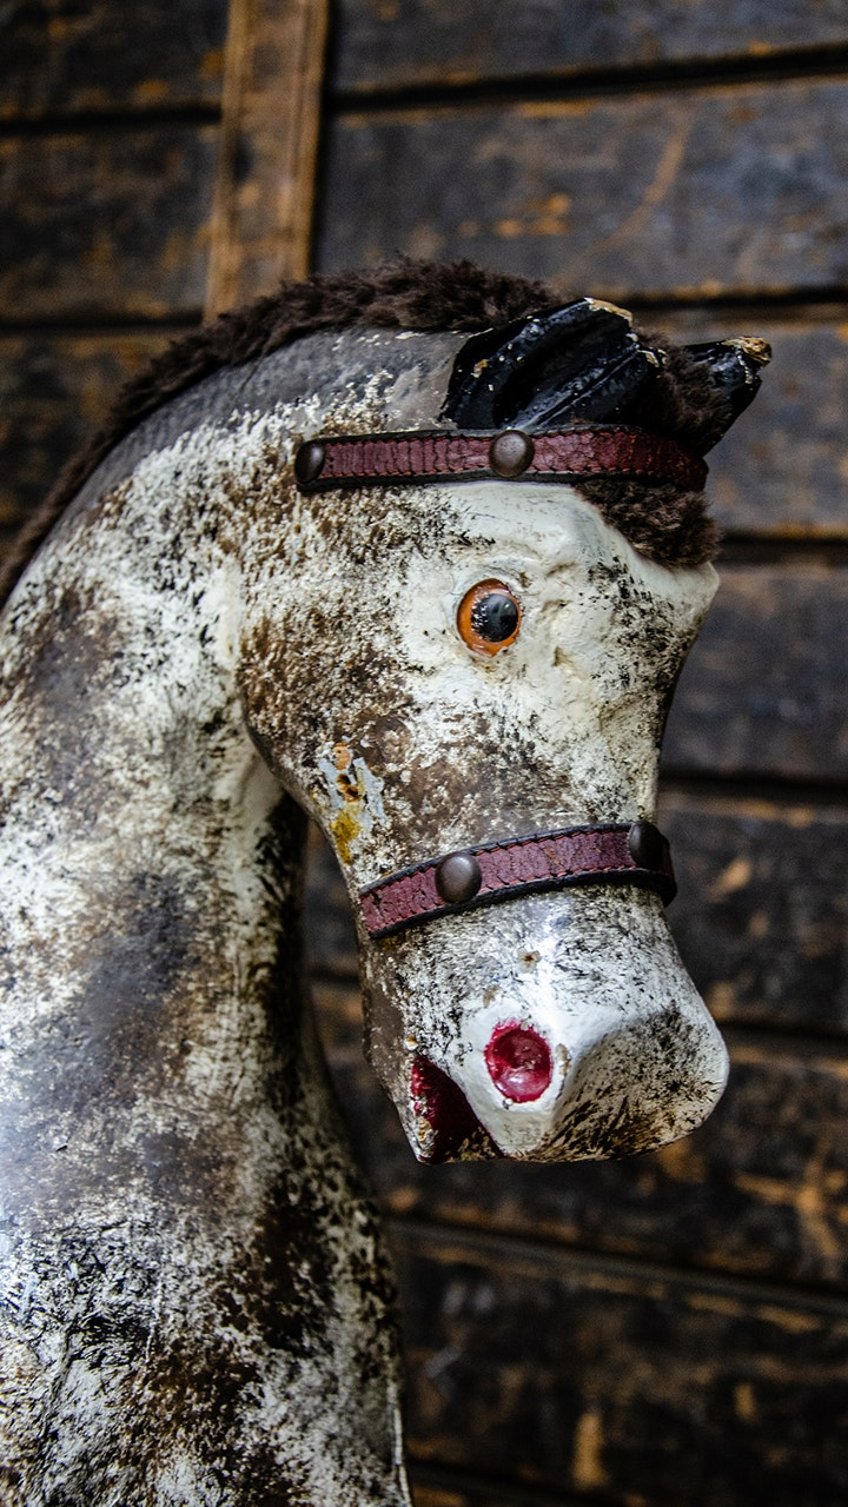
581,362
733,367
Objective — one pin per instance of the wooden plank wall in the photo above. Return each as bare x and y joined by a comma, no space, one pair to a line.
109,124
671,1331
156,161
674,1329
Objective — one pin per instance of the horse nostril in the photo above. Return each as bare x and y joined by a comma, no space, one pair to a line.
519,1062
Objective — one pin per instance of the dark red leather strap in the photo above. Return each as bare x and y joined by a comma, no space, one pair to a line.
582,451
611,854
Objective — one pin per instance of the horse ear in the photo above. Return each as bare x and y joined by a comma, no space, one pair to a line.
583,361
733,367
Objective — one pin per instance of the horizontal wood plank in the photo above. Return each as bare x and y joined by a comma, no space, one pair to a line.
761,915
54,390
119,225
628,1385
762,693
395,44
760,1190
60,57
693,192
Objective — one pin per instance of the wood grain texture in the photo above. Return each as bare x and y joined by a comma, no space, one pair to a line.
761,915
762,693
63,57
266,174
738,189
629,1385
54,390
759,1191
392,44
118,225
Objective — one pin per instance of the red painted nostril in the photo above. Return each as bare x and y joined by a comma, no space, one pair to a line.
519,1062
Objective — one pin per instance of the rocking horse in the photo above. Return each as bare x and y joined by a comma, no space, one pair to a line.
418,553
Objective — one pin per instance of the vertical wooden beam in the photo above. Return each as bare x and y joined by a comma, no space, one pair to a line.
262,218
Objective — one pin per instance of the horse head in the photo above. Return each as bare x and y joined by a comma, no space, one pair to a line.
460,659
435,567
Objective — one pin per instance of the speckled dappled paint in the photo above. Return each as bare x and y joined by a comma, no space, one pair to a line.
196,1303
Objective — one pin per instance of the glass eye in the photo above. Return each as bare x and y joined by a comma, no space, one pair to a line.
489,617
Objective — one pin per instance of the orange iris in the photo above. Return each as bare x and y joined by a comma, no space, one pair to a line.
489,617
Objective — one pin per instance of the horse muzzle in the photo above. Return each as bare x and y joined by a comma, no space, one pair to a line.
561,1025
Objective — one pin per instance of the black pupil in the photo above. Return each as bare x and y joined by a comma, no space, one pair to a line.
495,616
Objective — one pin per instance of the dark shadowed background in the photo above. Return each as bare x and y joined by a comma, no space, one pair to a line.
671,1331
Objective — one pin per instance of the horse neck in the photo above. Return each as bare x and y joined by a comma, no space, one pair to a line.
152,870
174,1160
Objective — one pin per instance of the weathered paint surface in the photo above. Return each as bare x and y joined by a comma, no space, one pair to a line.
196,1303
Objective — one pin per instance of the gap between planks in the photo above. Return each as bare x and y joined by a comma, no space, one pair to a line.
543,1254
806,306
452,1486
795,64
111,326
116,117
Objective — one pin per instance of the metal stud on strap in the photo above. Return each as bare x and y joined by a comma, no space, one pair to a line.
583,450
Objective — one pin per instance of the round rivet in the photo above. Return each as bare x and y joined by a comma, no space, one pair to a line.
458,878
309,462
646,844
511,453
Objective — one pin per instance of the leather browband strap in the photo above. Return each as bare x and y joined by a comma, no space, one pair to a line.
584,450
500,871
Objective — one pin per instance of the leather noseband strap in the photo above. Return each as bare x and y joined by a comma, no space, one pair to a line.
582,450
484,875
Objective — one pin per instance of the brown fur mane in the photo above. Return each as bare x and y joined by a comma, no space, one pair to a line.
662,522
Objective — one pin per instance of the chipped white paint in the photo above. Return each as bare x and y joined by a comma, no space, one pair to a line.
355,797
196,1300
